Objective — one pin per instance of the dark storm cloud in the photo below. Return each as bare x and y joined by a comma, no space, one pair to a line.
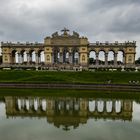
32,20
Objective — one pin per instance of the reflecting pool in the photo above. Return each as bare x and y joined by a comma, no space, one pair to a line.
63,117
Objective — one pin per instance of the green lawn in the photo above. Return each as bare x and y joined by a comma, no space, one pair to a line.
68,77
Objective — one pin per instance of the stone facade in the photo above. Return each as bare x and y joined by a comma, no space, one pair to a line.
65,51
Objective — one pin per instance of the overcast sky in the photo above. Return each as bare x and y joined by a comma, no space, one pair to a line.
99,20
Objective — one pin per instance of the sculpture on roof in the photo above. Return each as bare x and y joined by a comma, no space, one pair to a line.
55,34
65,31
75,34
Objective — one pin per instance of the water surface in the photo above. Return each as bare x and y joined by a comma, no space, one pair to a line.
63,117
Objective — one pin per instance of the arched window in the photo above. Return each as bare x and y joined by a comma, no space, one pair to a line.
42,56
76,55
120,57
111,57
101,57
16,57
67,55
33,56
25,56
92,57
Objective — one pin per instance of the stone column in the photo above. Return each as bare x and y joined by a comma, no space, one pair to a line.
79,58
97,59
113,106
104,107
61,57
70,58
52,58
96,106
39,59
121,105
36,58
115,59
106,59
28,57
19,58
31,103
22,103
22,58
124,59
40,106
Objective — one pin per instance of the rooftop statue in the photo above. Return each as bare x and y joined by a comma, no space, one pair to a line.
55,34
65,31
75,34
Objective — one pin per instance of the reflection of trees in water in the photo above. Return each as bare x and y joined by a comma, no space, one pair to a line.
137,101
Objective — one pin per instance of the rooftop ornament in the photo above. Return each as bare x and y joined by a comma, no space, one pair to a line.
65,31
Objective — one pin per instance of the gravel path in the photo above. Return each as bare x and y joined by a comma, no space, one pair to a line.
115,87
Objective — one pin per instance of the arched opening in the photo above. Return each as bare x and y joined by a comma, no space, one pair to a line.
56,56
23,56
100,106
76,106
92,57
111,58
101,57
117,106
41,56
35,105
27,107
14,59
18,104
22,103
91,106
120,58
17,60
75,57
44,105
65,56
67,106
32,56
109,106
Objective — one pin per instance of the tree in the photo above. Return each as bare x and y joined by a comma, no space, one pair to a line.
91,61
137,61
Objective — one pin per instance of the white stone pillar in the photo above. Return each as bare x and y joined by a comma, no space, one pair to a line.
19,58
115,58
97,59
106,59
70,58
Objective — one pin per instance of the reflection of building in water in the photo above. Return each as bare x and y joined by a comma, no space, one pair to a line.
68,111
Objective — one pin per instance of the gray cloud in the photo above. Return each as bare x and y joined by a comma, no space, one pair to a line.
32,20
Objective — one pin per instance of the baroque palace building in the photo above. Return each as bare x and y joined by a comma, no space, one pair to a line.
66,51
